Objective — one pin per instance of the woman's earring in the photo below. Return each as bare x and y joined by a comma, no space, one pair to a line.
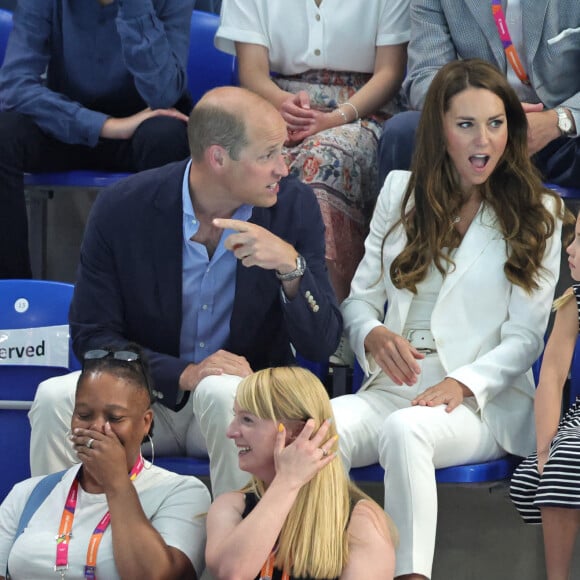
151,461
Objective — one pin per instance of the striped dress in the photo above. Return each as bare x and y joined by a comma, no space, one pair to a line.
559,484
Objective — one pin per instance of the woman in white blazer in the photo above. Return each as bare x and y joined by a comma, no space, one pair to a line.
465,252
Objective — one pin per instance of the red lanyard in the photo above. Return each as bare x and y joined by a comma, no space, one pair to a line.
506,40
267,572
65,529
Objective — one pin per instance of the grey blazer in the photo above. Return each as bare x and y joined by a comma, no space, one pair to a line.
444,30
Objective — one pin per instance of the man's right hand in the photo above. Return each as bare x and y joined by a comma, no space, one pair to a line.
221,362
125,127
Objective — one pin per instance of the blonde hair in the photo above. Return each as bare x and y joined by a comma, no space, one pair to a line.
561,300
313,541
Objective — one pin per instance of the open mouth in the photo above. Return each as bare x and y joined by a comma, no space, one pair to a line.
243,450
479,161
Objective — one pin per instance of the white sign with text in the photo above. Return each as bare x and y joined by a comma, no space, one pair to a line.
43,346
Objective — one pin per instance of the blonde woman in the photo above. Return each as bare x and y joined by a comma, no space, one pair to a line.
299,516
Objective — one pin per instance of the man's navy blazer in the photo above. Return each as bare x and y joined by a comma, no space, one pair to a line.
129,281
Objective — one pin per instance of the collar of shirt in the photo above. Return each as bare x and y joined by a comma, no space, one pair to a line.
190,221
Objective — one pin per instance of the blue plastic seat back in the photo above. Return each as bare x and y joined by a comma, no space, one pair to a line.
25,304
197,466
28,304
78,178
207,66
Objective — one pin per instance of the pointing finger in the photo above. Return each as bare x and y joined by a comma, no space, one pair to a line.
229,224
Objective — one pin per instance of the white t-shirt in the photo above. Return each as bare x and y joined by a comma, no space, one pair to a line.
173,503
340,35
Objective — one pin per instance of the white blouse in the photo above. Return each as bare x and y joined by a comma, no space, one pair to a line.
340,35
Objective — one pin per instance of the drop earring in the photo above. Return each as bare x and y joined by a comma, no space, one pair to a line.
152,460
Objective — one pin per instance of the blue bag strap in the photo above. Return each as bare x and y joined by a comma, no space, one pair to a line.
40,492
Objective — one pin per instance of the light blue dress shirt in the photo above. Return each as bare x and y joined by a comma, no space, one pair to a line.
208,286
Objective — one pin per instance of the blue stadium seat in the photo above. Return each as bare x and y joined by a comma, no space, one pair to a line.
207,67
33,321
197,466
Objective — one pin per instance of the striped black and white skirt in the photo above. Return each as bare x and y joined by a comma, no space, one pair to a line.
559,484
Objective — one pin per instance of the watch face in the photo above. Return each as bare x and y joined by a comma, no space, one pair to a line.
565,124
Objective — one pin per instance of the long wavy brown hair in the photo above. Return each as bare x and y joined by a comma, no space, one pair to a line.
514,190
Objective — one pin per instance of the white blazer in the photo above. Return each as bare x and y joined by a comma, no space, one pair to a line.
488,331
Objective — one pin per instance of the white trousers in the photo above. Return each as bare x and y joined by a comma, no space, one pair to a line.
380,425
199,429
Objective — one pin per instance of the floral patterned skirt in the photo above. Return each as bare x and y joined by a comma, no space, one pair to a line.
340,165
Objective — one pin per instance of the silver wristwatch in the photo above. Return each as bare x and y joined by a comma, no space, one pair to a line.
564,122
300,267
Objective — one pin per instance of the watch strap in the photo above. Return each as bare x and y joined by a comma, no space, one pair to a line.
565,123
299,271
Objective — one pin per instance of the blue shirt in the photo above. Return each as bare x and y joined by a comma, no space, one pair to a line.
208,286
70,64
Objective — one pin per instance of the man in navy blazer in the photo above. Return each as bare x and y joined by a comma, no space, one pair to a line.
546,37
216,267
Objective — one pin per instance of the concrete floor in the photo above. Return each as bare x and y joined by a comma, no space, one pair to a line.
481,537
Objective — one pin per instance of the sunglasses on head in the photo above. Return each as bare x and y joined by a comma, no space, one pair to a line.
122,355
126,356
